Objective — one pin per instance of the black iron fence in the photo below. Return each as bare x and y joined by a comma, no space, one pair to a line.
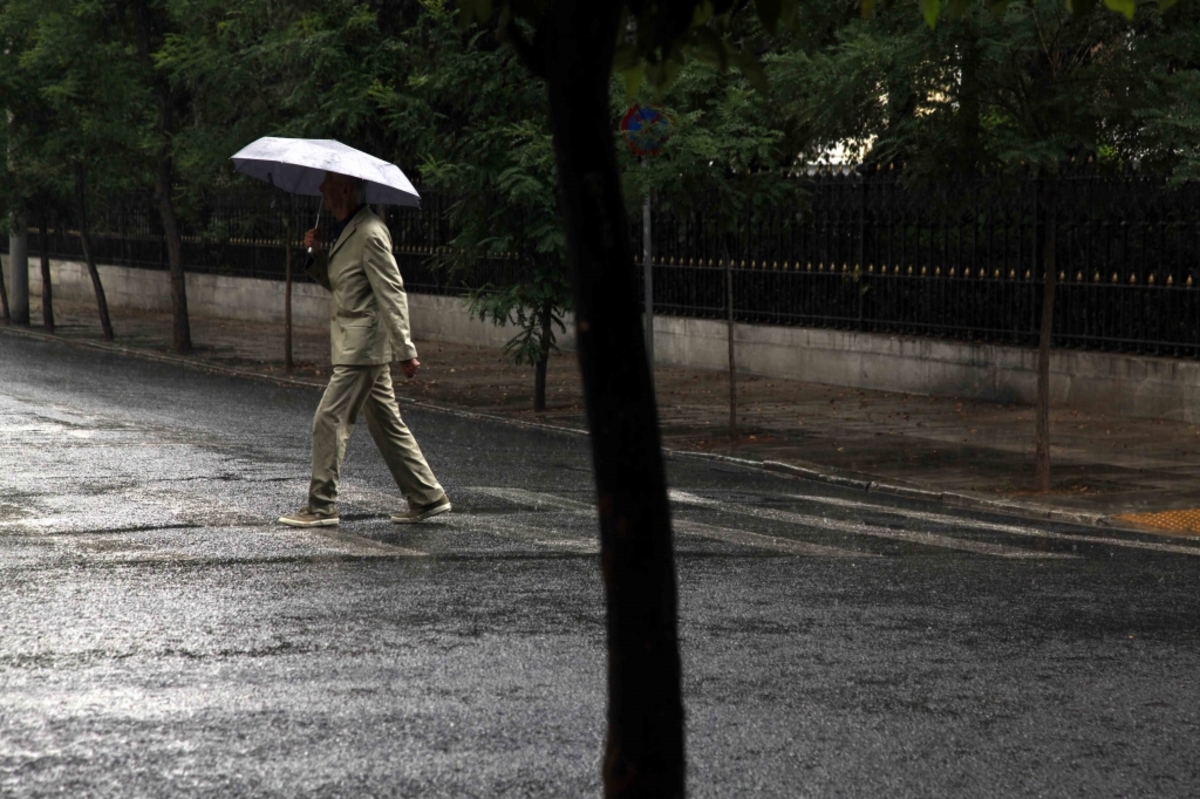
243,233
961,259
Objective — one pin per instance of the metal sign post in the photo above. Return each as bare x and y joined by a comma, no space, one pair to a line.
645,133
649,278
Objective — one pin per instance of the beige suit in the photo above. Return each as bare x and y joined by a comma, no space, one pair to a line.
369,312
368,329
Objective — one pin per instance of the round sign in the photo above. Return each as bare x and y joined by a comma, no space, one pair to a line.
645,129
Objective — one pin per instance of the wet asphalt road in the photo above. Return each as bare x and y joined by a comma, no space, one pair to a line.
161,636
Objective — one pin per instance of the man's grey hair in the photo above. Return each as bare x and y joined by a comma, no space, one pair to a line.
358,184
360,189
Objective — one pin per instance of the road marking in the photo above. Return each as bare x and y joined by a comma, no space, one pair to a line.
859,528
536,499
759,541
539,499
521,531
1011,529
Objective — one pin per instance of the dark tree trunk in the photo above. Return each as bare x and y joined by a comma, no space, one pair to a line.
85,239
181,333
969,113
539,379
1042,434
733,431
18,262
5,316
47,290
645,744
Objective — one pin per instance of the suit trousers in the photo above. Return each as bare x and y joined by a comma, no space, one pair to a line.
368,389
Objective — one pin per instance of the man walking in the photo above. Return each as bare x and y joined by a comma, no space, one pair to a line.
368,330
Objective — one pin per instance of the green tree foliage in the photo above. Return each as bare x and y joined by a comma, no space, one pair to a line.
69,82
1026,84
79,111
480,121
726,145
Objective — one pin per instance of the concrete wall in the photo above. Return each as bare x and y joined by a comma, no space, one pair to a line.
433,317
1107,382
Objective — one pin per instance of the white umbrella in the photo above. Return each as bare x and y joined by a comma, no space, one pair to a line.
299,165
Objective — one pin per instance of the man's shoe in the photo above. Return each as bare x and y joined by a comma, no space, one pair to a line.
419,513
306,518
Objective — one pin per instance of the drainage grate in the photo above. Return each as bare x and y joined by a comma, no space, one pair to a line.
1171,521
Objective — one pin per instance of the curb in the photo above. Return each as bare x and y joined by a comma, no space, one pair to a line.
806,471
952,498
279,380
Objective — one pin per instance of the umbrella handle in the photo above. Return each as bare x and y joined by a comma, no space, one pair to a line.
316,223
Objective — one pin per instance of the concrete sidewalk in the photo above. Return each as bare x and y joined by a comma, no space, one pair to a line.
1108,470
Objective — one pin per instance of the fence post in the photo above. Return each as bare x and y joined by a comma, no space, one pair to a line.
649,281
1048,208
733,434
862,246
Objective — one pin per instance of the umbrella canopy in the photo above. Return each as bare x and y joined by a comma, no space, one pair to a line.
299,165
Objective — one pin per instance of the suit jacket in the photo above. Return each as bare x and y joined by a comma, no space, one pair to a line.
368,321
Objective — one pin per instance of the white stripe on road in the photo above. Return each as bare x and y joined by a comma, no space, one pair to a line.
758,541
540,500
859,528
544,500
536,499
1011,529
517,530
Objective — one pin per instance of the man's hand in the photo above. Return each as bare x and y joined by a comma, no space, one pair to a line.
312,239
410,367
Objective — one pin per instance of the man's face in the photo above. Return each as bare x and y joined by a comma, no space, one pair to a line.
335,192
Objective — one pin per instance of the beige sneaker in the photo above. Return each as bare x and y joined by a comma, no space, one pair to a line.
306,518
419,513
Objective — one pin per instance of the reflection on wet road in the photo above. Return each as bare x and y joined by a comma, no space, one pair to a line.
161,635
